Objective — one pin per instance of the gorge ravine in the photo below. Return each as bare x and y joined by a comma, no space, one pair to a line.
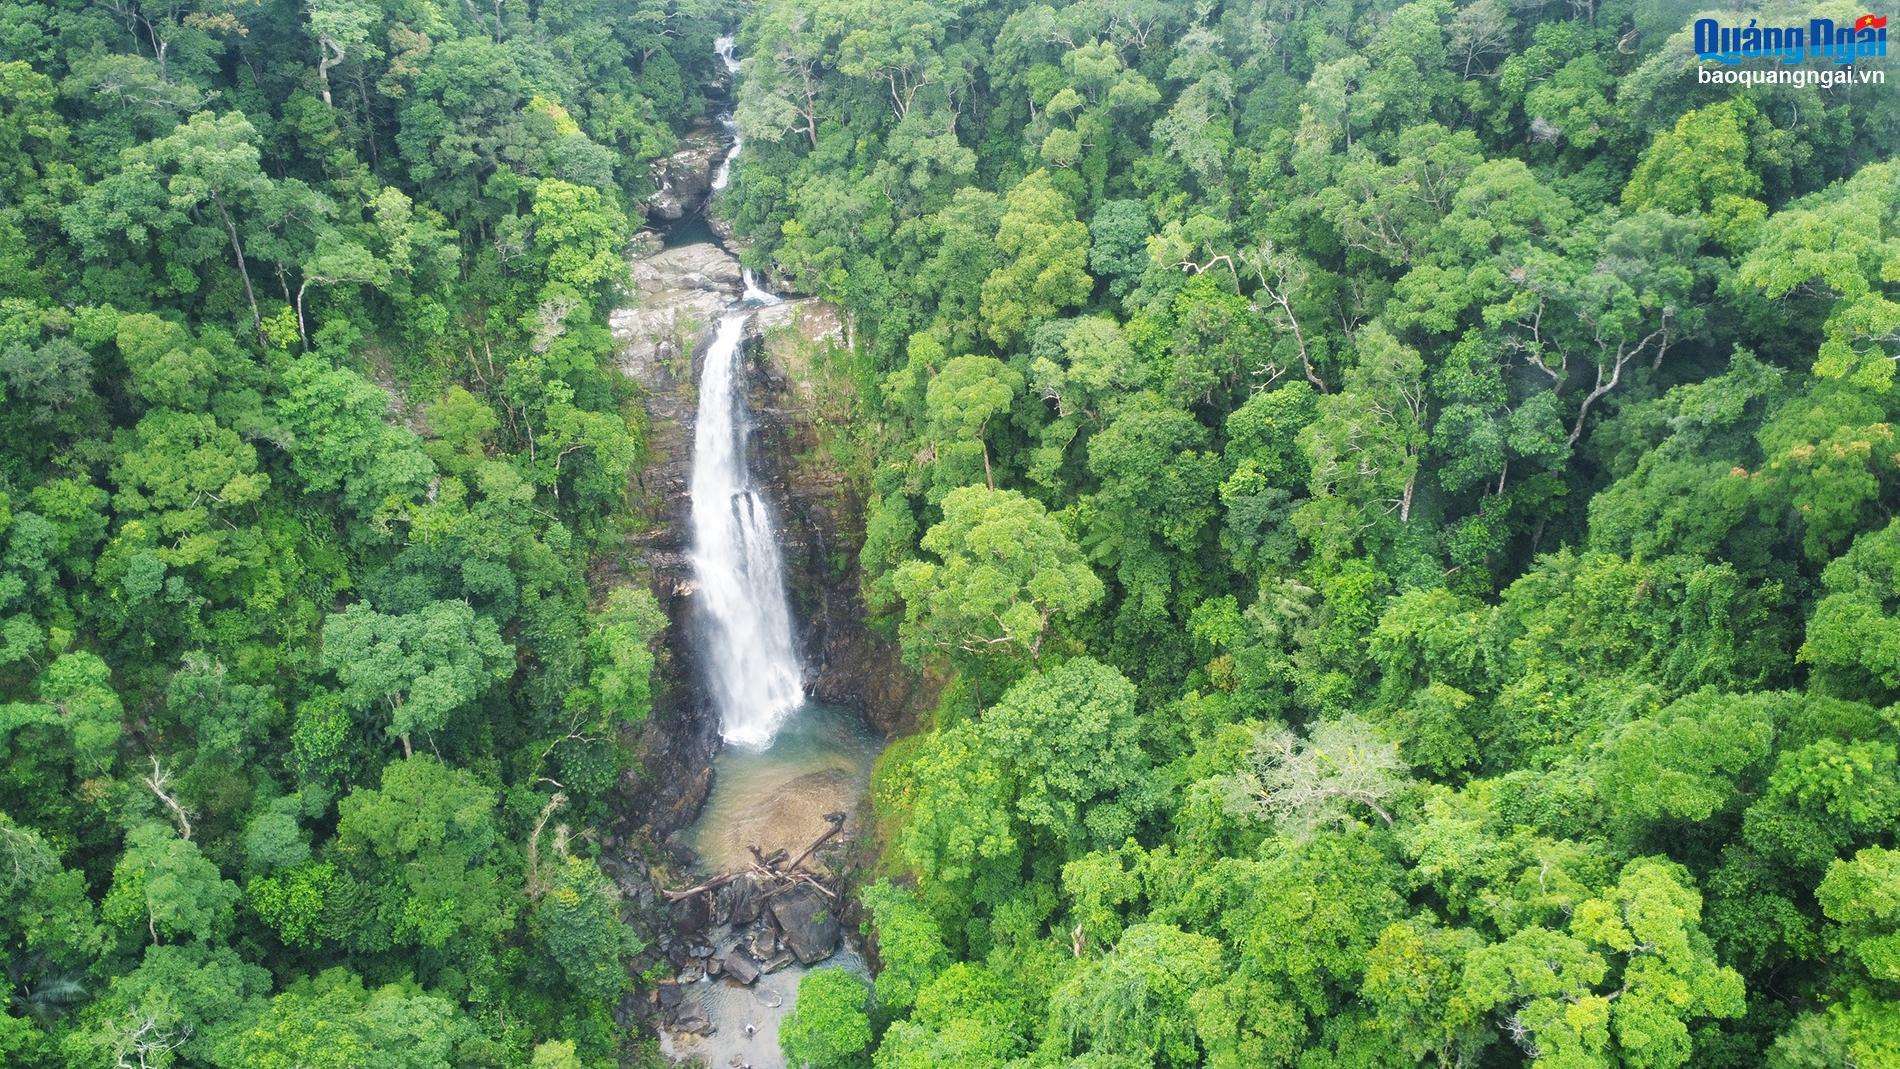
747,510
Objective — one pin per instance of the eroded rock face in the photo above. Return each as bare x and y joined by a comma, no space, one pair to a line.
678,295
794,401
684,180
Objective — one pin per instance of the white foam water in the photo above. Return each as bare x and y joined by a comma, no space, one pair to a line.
751,659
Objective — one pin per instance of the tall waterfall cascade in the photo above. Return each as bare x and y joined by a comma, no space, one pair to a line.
751,661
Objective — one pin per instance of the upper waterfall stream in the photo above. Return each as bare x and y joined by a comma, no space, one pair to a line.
751,662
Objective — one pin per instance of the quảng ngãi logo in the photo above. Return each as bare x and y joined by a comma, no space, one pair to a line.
1819,39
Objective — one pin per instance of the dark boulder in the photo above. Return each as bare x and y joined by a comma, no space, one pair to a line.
807,921
690,916
748,899
740,966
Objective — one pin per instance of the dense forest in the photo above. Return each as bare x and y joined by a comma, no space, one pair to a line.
1398,501
309,439
1401,498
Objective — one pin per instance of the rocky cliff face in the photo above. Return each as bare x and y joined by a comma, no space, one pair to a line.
683,180
802,403
679,294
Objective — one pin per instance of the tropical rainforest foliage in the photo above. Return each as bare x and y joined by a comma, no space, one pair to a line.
1402,499
307,440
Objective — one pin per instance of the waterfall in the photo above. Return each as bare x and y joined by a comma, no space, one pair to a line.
751,662
723,173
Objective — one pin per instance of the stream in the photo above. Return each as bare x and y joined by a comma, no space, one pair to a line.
785,761
818,762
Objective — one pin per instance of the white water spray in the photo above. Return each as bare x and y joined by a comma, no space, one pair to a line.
750,660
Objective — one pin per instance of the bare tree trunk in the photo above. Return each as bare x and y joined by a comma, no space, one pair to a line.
329,55
536,886
160,46
811,107
1280,293
157,781
1624,354
1591,398
836,820
369,124
244,270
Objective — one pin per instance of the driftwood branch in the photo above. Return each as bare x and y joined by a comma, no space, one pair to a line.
836,820
810,881
697,889
772,869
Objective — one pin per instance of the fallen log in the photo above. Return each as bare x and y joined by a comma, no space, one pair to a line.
836,820
772,869
713,884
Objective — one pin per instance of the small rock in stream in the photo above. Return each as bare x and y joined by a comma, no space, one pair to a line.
693,1023
762,941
